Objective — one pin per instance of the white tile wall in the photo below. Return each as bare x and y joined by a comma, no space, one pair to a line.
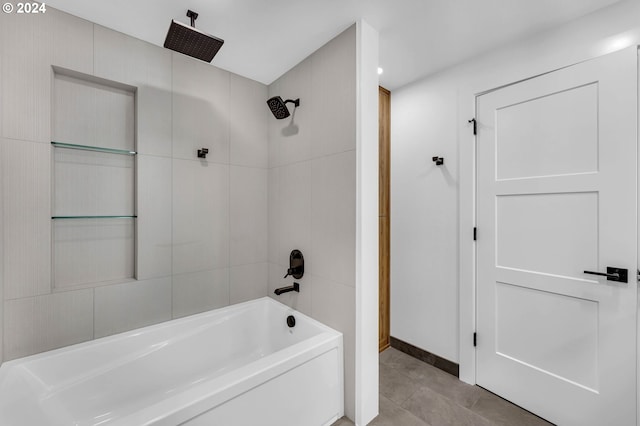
200,110
122,58
299,301
153,114
184,205
248,114
331,304
114,121
290,138
312,191
92,251
70,40
87,183
154,251
37,324
200,216
248,282
248,215
30,47
3,20
333,217
88,113
1,229
333,90
273,218
26,79
131,305
294,212
200,291
25,168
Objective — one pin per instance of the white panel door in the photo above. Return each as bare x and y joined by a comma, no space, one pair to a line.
556,196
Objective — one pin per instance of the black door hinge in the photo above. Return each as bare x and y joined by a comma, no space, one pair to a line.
475,126
475,234
475,340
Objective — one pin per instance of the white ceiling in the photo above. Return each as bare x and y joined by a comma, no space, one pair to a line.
265,38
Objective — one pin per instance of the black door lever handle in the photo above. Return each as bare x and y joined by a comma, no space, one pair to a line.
612,274
603,274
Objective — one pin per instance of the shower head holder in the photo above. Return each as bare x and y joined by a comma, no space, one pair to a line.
193,15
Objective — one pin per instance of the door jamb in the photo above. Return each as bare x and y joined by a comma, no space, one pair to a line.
467,250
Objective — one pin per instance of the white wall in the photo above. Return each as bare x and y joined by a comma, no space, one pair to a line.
367,221
315,158
202,224
424,279
432,210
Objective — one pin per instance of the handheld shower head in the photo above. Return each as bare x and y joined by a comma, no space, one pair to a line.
191,41
279,108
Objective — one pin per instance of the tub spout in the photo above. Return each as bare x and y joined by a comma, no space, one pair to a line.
294,287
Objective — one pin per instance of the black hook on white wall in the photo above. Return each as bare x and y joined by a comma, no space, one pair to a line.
438,160
202,153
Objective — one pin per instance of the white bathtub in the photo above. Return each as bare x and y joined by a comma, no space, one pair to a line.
240,365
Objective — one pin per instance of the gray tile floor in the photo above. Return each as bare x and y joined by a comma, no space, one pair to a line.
413,393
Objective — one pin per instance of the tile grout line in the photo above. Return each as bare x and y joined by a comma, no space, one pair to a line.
458,406
423,384
399,407
171,192
229,193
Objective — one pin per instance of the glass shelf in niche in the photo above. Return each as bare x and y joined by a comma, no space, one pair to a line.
93,148
94,217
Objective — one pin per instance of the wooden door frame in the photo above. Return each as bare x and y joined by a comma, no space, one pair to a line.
384,187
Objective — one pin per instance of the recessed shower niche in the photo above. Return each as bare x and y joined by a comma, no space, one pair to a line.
94,181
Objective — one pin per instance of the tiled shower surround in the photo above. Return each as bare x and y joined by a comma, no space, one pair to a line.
312,191
202,224
208,232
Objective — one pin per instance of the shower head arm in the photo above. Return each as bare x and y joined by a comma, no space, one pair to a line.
295,102
193,15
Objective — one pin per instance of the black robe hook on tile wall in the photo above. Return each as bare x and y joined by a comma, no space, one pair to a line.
202,153
438,160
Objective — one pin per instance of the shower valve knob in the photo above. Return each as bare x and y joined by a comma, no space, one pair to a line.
292,271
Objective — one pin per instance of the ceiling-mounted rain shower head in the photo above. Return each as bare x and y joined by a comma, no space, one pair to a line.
191,41
279,108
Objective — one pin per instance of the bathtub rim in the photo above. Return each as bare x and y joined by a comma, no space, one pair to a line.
215,391
163,325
